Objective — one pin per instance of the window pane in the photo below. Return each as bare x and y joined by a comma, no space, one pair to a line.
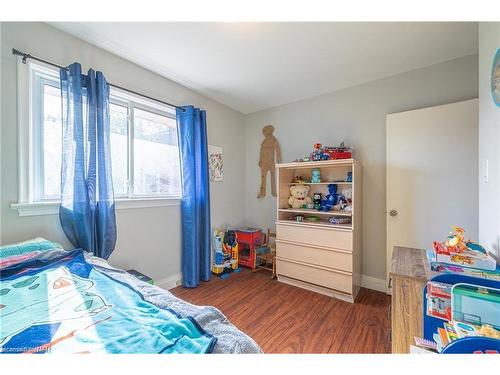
119,150
52,141
156,155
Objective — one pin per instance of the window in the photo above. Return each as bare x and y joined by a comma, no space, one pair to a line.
144,149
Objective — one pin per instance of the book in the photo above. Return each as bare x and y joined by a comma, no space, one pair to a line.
443,336
460,270
439,300
450,332
423,343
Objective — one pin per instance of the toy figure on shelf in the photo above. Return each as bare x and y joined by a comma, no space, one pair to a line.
342,203
299,180
330,153
226,253
346,193
349,177
317,200
330,199
315,176
457,251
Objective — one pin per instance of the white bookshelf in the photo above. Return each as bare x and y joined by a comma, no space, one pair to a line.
318,255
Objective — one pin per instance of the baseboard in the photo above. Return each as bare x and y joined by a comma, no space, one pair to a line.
366,282
374,283
170,282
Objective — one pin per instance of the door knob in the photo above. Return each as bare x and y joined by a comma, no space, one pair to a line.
393,213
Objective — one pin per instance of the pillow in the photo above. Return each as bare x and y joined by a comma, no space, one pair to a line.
36,244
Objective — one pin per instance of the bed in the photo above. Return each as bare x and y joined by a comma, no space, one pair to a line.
58,301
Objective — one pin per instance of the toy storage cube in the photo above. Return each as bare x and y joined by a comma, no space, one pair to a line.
249,236
246,256
248,240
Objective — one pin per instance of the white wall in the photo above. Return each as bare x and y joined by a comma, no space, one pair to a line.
357,116
489,140
149,238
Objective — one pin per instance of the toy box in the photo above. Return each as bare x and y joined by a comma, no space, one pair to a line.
476,305
249,239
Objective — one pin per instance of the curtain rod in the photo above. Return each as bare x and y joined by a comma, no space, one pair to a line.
26,56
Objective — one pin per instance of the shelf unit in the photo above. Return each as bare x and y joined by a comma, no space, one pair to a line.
313,212
319,256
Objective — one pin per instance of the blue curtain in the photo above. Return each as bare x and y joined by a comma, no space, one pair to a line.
87,211
192,130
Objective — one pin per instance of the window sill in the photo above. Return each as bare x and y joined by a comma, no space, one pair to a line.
52,208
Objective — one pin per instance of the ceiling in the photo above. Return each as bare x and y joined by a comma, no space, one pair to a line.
253,66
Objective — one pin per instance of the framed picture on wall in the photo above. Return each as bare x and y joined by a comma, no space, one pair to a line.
495,79
215,163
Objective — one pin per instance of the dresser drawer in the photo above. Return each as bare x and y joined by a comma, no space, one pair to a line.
314,275
340,260
325,237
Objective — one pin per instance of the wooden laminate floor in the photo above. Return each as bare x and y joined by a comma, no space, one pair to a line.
285,319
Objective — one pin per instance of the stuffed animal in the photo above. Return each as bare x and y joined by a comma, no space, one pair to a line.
342,203
299,196
330,199
346,205
315,176
317,200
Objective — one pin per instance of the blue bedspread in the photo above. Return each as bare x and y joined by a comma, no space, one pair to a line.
65,305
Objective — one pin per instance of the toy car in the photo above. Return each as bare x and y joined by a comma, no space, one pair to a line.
331,153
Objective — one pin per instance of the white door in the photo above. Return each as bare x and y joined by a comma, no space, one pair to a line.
432,174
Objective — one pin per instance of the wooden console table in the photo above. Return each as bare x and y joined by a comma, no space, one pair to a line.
409,272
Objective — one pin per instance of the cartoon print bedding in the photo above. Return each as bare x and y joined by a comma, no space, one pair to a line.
65,305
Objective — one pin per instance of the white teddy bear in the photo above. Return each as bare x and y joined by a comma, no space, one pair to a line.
299,196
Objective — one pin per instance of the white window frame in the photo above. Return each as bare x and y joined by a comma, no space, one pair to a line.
30,158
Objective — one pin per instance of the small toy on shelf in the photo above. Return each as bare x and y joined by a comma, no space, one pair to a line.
299,218
457,251
339,220
346,204
342,203
299,180
349,177
315,176
299,196
317,200
330,199
313,219
331,153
